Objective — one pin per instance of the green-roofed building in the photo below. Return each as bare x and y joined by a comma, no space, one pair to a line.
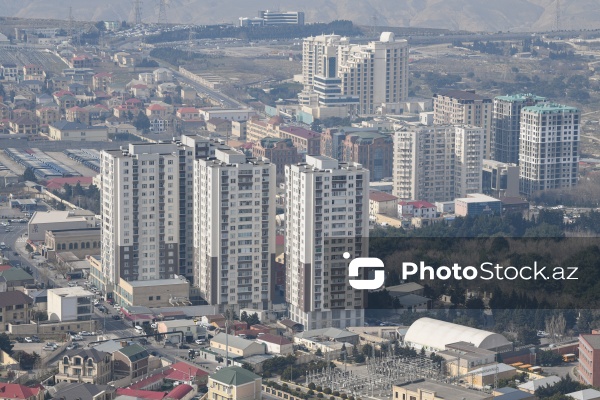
234,383
549,147
16,277
131,361
506,119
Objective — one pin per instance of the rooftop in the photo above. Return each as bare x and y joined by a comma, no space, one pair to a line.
520,97
549,108
586,394
134,352
378,196
443,390
234,341
75,391
300,132
331,333
592,340
476,198
461,95
535,384
234,376
156,282
405,287
16,391
75,291
275,339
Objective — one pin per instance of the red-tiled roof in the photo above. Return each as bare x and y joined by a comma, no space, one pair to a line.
179,392
58,183
188,369
141,394
103,75
417,204
381,196
5,267
188,110
156,107
132,101
276,339
16,391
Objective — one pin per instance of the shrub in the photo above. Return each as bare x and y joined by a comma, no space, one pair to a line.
310,392
332,398
319,388
336,393
319,395
344,396
327,391
285,385
312,386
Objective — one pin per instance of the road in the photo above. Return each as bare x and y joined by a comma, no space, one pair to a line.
225,101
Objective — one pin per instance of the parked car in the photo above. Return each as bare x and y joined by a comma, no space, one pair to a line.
85,333
77,337
48,348
28,340
200,341
116,317
154,325
72,346
35,339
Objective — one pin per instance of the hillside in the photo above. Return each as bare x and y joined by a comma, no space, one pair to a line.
474,15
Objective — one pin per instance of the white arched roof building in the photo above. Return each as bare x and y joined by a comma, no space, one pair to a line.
434,335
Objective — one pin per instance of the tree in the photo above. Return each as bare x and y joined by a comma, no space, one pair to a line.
142,122
253,319
367,350
5,344
248,367
527,335
28,175
244,316
319,352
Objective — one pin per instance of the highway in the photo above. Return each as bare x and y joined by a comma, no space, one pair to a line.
226,102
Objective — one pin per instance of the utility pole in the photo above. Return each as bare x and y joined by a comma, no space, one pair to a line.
137,11
162,12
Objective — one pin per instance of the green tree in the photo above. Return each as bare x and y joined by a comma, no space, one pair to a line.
142,122
253,319
5,344
28,175
244,316
319,352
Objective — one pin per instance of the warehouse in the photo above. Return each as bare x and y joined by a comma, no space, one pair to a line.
434,335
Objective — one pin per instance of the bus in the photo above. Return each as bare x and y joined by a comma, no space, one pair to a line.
569,357
535,370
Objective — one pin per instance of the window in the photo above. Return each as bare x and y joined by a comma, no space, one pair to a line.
151,298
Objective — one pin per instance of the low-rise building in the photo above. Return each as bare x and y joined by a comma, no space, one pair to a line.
77,132
85,366
236,345
15,308
70,304
191,330
276,344
585,394
234,383
131,361
41,222
305,140
24,125
426,389
153,293
534,384
80,391
417,209
219,125
80,242
382,203
15,391
15,277
500,179
477,204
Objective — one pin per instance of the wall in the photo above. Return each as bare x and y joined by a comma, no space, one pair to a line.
57,328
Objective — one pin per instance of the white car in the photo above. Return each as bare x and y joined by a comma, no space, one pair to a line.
85,333
154,325
117,307
28,340
200,341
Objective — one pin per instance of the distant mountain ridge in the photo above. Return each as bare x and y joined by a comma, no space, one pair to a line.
472,15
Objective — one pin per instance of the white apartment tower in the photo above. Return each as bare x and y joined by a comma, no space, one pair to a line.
549,147
140,212
234,229
327,215
368,76
377,72
147,205
460,107
438,162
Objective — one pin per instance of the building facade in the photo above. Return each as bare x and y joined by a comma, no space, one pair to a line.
589,360
326,211
549,147
85,366
280,152
506,125
234,229
70,304
500,179
458,107
438,162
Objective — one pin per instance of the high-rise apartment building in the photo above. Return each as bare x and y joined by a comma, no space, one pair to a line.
438,162
549,147
506,125
377,72
361,77
140,212
147,206
234,229
460,107
326,215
